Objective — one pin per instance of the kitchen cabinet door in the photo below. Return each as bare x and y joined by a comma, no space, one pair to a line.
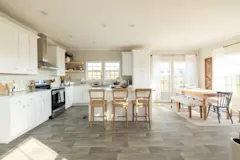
33,55
8,48
77,94
141,77
19,115
127,63
85,96
141,58
31,111
69,97
24,56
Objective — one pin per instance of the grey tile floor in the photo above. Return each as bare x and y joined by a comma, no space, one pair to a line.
171,137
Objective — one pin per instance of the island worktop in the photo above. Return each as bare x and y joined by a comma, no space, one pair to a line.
120,113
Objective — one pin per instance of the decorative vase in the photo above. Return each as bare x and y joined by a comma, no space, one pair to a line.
68,59
235,148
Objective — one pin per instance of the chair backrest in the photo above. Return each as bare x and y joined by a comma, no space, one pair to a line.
224,99
144,93
120,94
96,94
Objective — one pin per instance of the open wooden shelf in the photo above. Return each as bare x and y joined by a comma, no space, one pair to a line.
75,62
73,71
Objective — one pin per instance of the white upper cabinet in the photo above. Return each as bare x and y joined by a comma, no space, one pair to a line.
18,49
8,48
127,61
56,55
33,57
23,52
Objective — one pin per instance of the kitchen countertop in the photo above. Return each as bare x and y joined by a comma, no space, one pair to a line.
24,92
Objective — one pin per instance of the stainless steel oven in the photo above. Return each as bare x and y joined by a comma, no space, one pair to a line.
58,101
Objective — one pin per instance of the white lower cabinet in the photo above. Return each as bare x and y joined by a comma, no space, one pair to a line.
22,113
80,94
68,97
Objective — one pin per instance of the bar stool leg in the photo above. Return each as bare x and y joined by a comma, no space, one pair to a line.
113,123
149,119
126,111
93,114
103,110
145,113
91,117
133,112
136,116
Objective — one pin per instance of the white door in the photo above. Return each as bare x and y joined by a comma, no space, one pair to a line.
8,48
24,57
33,64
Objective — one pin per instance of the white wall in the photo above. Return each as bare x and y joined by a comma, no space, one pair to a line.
42,75
207,52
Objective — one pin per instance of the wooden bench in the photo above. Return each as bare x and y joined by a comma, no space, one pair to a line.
189,102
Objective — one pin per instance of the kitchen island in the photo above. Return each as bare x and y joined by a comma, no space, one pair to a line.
120,112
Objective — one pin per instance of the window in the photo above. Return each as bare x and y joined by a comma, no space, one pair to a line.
94,70
232,84
165,76
112,70
227,73
178,74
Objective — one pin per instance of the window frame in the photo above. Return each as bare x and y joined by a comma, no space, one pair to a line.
105,71
87,70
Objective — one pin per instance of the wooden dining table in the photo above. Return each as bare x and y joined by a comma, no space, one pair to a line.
202,94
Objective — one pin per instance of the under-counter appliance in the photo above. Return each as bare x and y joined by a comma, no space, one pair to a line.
58,97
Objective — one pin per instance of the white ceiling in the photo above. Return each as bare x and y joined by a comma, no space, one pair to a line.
119,24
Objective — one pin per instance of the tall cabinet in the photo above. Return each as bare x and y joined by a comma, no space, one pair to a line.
141,68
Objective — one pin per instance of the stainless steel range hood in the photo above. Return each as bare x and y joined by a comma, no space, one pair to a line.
42,53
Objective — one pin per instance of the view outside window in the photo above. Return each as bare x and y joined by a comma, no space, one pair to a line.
165,76
179,70
112,70
94,70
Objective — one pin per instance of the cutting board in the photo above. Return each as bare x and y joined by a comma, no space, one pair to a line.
2,89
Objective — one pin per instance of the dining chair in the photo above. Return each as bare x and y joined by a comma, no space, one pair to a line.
120,100
223,101
143,97
97,99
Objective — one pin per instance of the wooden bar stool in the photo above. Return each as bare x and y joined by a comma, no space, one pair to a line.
142,100
120,100
97,99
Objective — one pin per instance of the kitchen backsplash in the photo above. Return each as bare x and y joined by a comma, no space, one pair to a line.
42,75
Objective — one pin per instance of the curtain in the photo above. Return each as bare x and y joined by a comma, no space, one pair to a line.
218,69
156,78
191,75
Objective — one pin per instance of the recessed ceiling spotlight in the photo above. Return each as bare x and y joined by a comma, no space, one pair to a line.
132,25
104,25
70,36
43,13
